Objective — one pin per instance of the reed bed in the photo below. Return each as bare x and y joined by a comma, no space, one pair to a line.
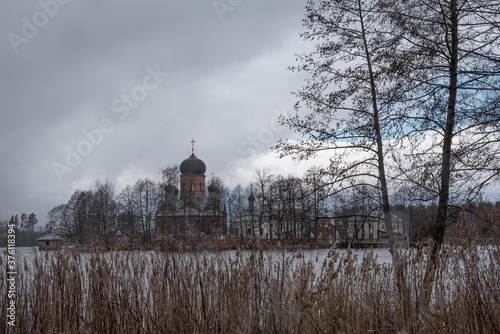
250,292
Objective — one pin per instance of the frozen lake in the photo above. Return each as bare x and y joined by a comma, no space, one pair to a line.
317,255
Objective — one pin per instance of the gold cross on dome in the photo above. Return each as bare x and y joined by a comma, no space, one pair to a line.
213,177
192,145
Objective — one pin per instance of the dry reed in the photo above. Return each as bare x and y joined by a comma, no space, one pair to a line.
250,292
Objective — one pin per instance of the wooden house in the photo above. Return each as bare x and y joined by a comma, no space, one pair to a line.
50,241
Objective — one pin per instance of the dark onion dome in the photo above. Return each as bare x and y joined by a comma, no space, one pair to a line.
193,166
212,188
251,198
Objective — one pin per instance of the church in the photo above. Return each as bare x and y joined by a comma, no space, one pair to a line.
191,213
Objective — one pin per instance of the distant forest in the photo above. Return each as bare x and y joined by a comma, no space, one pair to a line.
287,207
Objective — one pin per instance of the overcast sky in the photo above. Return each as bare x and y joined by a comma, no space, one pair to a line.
115,90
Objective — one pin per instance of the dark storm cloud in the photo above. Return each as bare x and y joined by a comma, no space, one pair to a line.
72,76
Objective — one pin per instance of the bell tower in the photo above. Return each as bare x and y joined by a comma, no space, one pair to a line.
192,176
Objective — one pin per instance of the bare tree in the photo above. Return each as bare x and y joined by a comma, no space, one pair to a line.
347,116
263,180
81,213
127,215
62,219
238,212
447,61
146,199
106,209
349,98
170,175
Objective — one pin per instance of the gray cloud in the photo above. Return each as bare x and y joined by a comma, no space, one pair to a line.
226,79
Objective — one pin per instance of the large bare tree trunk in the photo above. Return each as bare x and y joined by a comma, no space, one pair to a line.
437,232
398,265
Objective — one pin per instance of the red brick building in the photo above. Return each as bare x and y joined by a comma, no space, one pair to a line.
192,213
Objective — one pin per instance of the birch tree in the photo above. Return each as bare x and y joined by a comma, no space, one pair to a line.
448,65
146,199
105,208
347,109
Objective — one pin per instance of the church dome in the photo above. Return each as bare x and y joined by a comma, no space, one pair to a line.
192,166
212,188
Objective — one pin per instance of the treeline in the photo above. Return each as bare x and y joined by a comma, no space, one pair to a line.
291,207
276,207
96,214
271,207
26,230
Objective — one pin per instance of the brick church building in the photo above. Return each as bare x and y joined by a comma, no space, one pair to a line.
191,212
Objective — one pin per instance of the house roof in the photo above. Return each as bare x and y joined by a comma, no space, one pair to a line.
50,236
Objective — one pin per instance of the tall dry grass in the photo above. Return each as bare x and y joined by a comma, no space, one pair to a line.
250,292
